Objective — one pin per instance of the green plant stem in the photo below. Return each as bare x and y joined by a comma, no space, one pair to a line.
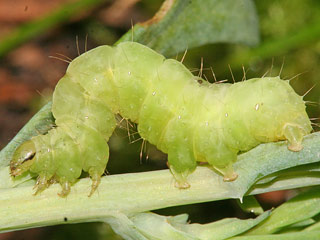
39,26
139,192
125,193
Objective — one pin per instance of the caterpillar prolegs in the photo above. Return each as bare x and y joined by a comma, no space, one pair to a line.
184,116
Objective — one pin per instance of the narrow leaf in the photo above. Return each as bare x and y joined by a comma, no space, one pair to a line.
181,25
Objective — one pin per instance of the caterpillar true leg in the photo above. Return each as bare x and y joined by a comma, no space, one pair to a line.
65,184
42,183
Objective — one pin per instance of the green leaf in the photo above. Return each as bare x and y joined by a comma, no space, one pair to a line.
270,158
6,181
181,25
278,46
303,223
222,229
307,170
153,226
288,236
303,175
296,210
314,227
250,204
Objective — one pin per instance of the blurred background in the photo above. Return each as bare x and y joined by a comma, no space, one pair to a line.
290,46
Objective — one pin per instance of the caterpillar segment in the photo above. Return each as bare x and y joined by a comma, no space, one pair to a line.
183,115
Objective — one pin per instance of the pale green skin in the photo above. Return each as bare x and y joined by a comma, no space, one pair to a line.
182,115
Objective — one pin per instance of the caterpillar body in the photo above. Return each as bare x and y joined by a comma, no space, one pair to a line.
183,115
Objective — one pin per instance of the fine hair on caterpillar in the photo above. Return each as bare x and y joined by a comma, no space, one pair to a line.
181,114
65,58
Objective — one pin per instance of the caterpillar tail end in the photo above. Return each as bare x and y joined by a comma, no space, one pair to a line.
23,158
294,135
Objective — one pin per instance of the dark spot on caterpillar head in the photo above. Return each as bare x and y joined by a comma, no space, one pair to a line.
200,81
29,157
65,219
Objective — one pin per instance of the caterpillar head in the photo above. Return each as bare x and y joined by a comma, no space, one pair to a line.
22,158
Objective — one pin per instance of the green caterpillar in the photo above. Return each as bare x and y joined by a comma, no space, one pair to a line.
183,115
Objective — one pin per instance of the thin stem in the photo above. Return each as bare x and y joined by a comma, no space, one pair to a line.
139,192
